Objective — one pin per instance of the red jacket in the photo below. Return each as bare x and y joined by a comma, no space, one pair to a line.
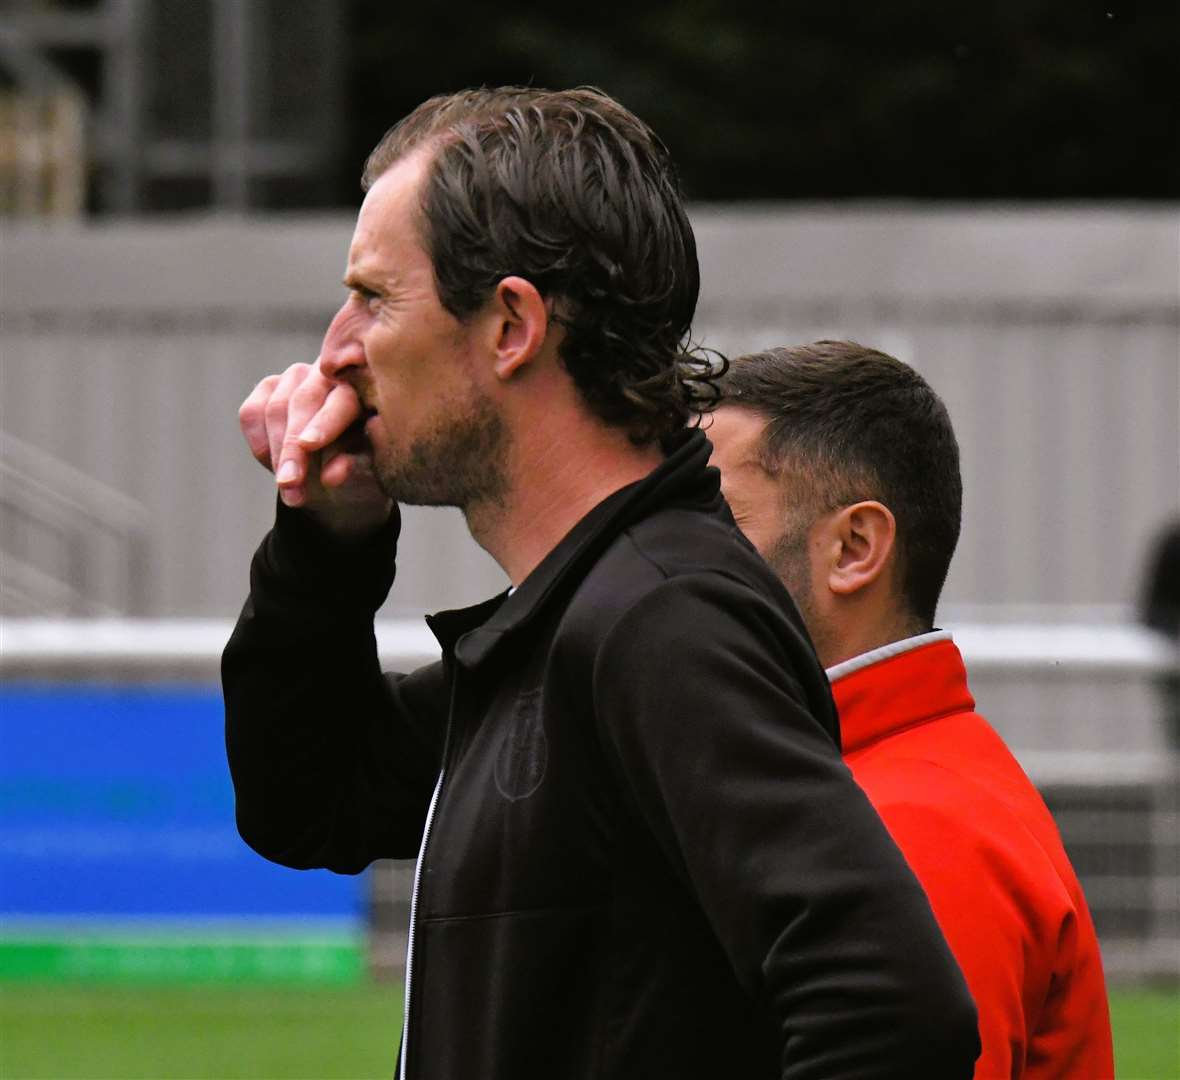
982,842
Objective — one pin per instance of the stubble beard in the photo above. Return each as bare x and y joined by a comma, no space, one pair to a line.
790,558
460,462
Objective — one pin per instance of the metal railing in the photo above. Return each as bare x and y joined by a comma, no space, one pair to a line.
67,541
152,644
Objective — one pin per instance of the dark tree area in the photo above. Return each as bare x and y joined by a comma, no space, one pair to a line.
1023,99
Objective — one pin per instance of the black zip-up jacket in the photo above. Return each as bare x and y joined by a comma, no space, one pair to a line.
645,858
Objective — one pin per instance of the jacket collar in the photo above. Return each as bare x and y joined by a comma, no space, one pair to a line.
683,477
884,652
904,684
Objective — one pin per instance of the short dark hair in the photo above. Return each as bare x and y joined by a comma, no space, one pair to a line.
573,192
852,423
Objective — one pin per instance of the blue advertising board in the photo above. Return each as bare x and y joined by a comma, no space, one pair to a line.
116,808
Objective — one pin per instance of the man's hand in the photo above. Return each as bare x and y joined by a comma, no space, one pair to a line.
302,426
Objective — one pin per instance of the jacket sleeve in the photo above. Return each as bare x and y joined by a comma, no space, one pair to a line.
1025,944
698,693
332,762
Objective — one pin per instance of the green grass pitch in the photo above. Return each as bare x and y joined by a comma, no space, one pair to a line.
77,1032
100,1032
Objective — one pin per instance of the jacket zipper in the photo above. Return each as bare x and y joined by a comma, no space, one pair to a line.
413,920
405,1055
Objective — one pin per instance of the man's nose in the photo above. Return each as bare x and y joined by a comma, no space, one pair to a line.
342,348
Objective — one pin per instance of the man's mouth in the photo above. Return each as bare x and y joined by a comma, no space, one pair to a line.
369,417
356,438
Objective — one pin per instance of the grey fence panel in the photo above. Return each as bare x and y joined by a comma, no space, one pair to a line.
153,412
1051,333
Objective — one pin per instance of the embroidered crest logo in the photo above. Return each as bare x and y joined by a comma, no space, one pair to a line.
524,751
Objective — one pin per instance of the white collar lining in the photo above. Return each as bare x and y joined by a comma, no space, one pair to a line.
894,648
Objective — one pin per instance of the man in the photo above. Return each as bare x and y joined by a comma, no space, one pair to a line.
841,466
639,854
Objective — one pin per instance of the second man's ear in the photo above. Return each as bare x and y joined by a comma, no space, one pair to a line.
521,325
867,532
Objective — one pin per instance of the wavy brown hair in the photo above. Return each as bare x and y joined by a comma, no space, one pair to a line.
573,192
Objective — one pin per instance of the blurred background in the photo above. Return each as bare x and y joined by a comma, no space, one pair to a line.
990,192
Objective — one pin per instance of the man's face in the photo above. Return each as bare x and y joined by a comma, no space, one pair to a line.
753,494
775,520
437,438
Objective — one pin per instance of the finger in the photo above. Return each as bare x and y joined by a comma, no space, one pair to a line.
277,408
348,460
252,419
347,478
337,468
293,476
307,400
295,463
339,411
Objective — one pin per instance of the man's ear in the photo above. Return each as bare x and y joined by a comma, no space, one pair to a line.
520,324
866,533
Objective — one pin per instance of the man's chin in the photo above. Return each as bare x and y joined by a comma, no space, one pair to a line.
406,485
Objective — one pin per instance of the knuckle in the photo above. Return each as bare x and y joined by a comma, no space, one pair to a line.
263,388
309,394
255,403
276,408
288,442
251,408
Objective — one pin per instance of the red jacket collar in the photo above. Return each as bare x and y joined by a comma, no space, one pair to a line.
900,691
